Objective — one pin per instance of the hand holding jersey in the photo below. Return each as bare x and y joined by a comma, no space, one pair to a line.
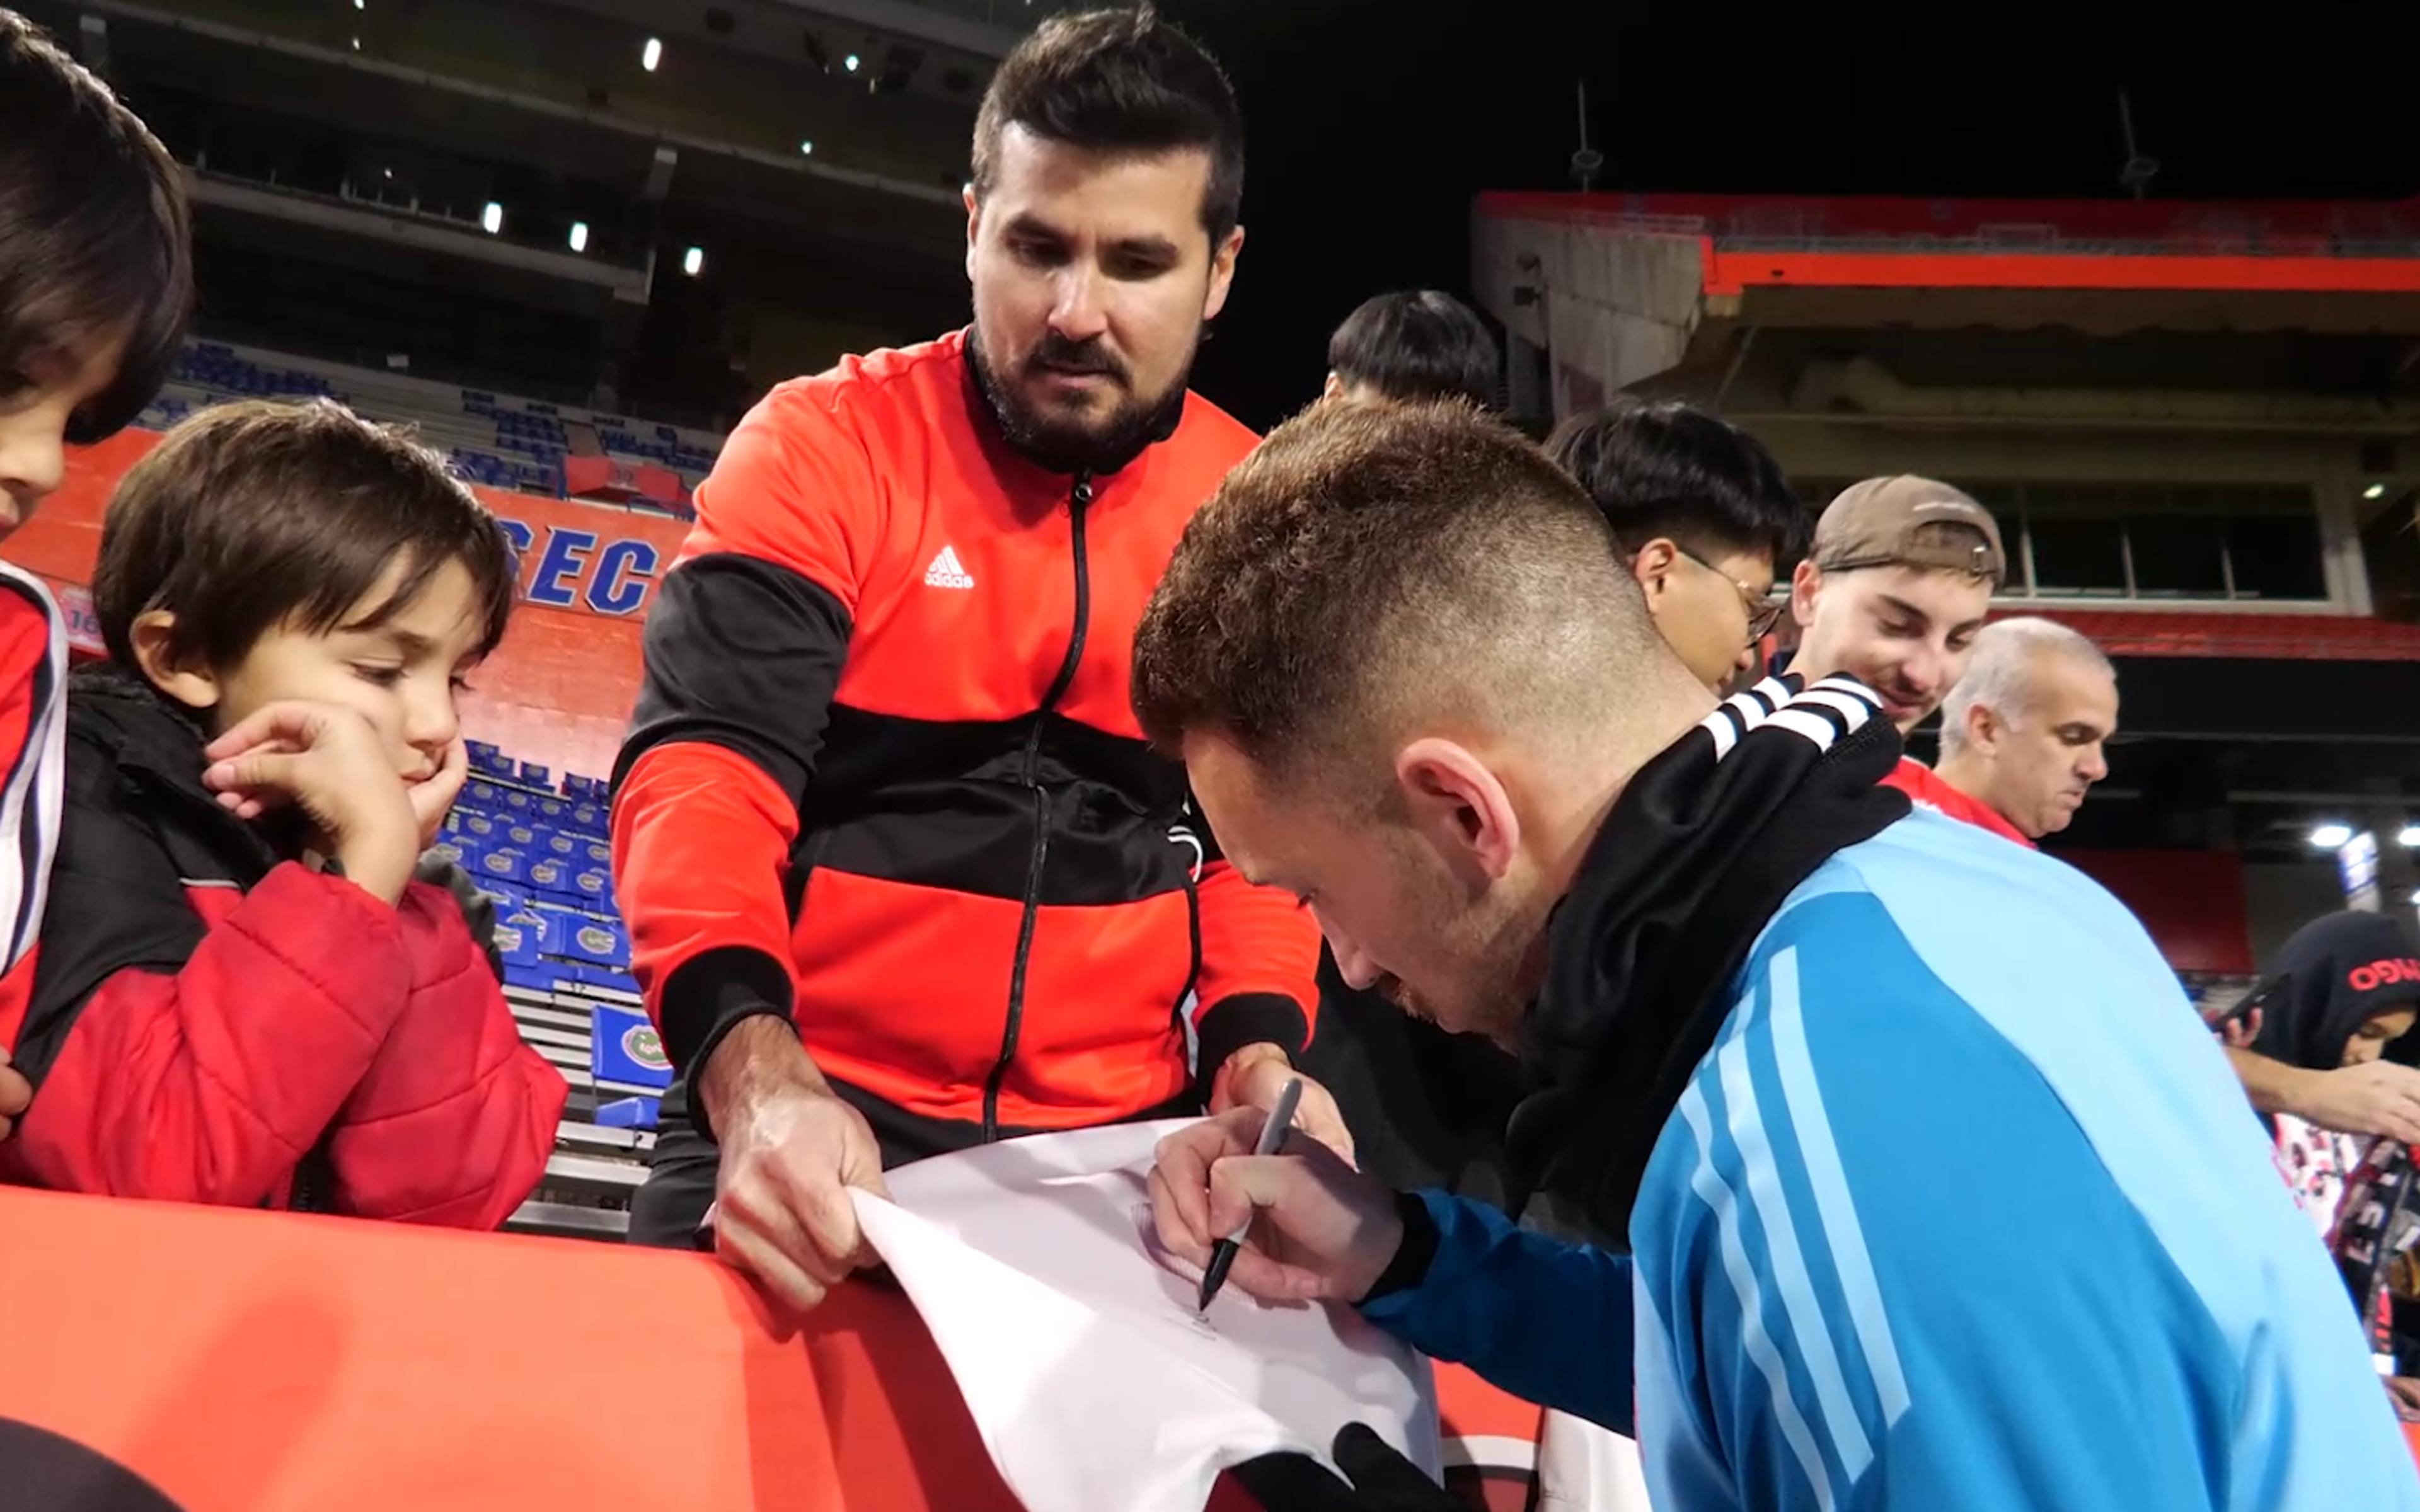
791,1149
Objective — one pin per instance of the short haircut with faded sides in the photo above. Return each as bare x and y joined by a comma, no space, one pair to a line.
1371,567
2000,669
253,516
1122,84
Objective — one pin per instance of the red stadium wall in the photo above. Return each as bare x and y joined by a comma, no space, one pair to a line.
557,691
2192,902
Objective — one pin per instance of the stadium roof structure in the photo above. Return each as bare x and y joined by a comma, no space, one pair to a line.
1667,278
2120,380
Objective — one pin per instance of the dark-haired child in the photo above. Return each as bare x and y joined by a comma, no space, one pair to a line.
242,998
95,285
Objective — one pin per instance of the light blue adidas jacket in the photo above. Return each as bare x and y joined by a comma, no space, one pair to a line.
1964,1211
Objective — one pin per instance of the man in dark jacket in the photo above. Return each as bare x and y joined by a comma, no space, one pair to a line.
1778,1022
1707,524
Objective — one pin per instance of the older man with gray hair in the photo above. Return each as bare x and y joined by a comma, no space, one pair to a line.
2021,732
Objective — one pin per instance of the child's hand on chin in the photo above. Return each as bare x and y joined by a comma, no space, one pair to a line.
327,762
432,799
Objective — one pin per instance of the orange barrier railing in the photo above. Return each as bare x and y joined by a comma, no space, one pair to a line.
255,1362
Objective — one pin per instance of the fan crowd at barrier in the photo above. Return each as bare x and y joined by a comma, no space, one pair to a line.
1808,1124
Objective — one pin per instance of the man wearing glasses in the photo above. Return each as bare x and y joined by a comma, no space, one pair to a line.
1704,515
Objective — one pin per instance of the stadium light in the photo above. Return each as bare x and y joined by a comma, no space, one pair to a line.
2376,490
491,219
2408,837
849,63
580,236
357,44
652,54
694,263
360,4
806,149
2330,837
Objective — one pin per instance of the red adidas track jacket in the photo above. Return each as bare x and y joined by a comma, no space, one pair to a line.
885,777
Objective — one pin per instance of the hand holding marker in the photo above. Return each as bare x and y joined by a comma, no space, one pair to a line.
1273,1132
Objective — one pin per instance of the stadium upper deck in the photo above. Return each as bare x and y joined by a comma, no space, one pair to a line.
2198,422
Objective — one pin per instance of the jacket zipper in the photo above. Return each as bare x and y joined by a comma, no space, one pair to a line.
314,1181
1179,1016
1079,497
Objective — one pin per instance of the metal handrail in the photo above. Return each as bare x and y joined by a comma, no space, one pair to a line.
2247,242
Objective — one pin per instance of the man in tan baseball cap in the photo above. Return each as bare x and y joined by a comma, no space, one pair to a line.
1898,584
1893,593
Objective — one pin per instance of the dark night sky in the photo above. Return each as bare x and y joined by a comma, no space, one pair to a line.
1367,144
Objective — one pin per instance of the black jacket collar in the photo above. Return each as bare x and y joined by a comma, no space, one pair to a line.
141,729
155,744
1700,851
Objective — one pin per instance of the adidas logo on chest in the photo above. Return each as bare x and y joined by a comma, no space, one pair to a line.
947,571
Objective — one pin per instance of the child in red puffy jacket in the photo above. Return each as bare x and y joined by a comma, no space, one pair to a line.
241,997
96,279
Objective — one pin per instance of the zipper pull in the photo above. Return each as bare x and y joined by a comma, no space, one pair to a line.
1080,496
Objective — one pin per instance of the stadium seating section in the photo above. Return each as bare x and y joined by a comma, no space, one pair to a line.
535,843
494,440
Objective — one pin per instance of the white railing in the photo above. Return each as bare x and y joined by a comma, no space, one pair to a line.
1750,232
